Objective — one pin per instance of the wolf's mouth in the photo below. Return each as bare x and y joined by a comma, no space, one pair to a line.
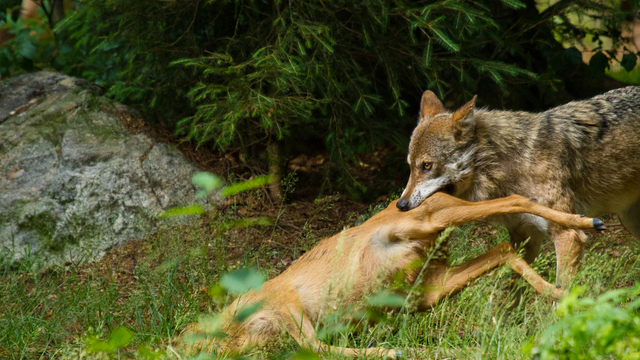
448,189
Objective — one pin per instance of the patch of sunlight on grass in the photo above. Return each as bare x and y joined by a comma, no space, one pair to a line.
627,77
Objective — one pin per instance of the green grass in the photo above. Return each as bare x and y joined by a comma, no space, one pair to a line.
155,297
157,286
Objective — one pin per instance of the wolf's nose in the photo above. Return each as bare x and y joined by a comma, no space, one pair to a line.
403,204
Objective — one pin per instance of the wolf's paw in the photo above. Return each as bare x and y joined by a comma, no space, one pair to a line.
598,224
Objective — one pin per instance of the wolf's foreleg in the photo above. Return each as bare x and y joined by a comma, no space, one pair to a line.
630,218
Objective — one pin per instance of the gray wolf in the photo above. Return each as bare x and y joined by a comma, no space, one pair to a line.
344,269
581,157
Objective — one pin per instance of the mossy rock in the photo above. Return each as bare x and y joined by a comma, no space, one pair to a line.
73,182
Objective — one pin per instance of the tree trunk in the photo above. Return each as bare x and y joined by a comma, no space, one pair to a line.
274,152
57,12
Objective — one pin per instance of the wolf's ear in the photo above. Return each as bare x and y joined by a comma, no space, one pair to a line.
464,120
430,105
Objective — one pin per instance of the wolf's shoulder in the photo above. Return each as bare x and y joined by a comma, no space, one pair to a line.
627,92
626,97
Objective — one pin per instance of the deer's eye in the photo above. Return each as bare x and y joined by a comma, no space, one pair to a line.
427,166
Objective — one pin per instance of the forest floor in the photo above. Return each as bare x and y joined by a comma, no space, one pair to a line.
158,285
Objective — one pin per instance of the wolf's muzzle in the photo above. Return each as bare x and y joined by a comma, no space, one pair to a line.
403,205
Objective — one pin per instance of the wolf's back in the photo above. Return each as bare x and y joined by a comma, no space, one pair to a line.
592,146
613,114
597,142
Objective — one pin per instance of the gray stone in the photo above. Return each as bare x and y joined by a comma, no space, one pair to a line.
73,182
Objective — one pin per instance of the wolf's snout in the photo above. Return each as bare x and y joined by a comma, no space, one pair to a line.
403,204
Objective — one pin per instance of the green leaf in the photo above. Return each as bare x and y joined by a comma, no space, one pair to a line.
246,185
629,61
120,337
427,53
207,181
445,41
514,4
146,353
216,292
28,50
182,211
247,311
306,354
599,63
574,55
242,280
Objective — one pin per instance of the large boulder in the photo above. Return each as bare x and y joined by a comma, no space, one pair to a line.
74,182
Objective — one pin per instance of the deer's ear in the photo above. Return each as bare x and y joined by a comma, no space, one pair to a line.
430,105
464,120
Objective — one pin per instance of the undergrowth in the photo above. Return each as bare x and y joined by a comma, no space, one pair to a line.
152,289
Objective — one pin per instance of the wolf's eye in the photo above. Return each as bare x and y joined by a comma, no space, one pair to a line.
427,166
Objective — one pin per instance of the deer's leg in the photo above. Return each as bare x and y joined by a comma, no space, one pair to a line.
569,245
301,329
457,212
449,280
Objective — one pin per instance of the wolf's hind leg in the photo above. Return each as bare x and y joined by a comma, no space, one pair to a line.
630,219
528,238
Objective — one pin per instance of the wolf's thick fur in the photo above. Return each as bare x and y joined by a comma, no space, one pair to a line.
342,270
581,157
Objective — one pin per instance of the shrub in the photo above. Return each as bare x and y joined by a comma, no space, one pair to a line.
341,75
602,328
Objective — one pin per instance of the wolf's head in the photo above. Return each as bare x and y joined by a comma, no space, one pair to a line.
441,152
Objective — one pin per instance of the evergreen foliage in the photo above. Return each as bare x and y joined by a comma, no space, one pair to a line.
238,75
